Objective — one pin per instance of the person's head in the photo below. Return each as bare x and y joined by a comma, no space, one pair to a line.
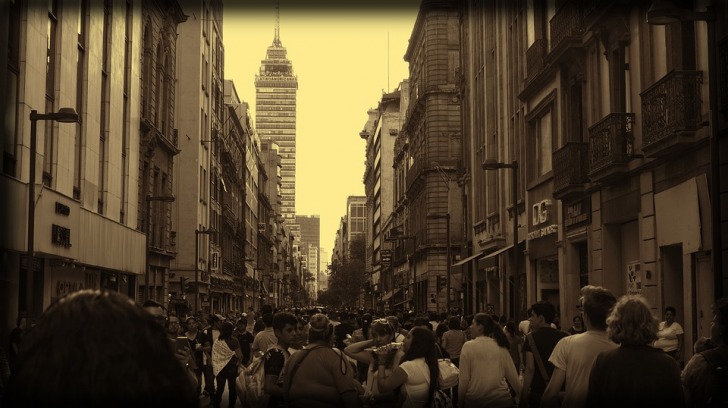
285,327
21,322
511,327
596,302
542,314
719,326
300,338
267,319
226,330
670,313
157,311
422,321
577,322
192,324
241,324
382,332
321,330
420,343
266,309
173,325
631,322
484,325
394,322
453,323
127,359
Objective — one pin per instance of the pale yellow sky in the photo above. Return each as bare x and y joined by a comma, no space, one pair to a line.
343,64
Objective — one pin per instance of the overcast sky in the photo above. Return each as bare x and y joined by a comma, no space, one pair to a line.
344,58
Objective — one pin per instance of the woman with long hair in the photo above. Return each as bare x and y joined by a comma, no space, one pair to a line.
320,375
486,367
635,374
417,373
226,357
382,333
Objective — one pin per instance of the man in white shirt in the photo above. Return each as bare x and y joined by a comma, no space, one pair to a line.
266,337
574,356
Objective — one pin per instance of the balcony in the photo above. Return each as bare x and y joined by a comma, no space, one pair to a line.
671,112
535,56
567,29
611,146
571,168
414,173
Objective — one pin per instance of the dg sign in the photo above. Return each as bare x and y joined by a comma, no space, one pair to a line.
386,258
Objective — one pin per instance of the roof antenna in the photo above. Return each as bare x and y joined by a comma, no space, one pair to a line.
277,38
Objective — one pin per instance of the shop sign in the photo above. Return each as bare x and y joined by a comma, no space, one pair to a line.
541,215
386,258
577,213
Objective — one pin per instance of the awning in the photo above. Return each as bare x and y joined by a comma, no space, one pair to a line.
389,294
468,259
498,252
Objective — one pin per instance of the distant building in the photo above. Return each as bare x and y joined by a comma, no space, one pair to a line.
275,115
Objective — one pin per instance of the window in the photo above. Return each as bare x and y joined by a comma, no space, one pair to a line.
80,87
105,104
11,82
50,89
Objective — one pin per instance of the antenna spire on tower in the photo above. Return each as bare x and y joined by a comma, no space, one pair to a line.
277,38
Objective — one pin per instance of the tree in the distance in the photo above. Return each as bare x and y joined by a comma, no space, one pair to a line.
347,277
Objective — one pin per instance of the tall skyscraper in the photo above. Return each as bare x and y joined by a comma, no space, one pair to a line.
275,115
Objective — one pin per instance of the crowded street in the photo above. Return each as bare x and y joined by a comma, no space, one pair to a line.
382,204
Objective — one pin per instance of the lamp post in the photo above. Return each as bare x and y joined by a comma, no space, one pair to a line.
664,12
197,269
447,271
149,200
64,115
494,165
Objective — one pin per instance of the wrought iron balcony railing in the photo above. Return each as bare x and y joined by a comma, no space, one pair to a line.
571,168
671,112
611,145
567,26
535,58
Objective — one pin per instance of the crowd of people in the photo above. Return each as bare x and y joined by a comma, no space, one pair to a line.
94,348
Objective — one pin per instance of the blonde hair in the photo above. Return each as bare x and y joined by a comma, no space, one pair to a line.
631,322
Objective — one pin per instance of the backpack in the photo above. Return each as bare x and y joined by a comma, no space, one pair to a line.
717,360
251,381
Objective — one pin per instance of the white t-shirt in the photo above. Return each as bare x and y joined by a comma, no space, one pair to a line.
667,336
417,386
484,367
576,355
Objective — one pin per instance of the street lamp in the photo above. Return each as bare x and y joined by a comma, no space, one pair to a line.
150,199
447,231
64,115
207,231
491,164
664,12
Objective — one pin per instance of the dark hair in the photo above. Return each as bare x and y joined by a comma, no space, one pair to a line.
153,303
366,322
453,323
720,309
267,319
545,309
671,309
266,309
597,302
127,358
421,321
281,319
511,327
492,329
226,330
423,345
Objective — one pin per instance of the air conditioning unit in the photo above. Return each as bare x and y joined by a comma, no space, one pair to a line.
393,132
